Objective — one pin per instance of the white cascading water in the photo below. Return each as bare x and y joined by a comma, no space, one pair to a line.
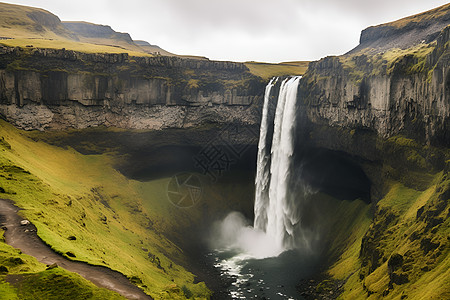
274,212
241,250
263,163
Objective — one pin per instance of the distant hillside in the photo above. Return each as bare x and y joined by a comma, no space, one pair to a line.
28,22
99,34
406,32
268,70
105,35
152,49
28,26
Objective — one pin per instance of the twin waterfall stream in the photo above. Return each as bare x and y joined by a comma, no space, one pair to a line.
265,260
274,214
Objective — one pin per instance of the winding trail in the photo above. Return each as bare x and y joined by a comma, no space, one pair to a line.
26,239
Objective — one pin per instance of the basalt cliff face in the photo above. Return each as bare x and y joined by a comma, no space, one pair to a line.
389,92
385,106
57,89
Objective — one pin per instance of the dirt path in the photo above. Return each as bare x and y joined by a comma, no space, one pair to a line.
25,238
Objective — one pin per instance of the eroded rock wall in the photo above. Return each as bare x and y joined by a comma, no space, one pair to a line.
414,104
76,90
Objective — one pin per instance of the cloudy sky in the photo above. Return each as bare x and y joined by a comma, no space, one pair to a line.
241,30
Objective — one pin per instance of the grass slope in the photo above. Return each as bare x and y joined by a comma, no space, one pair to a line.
69,45
30,280
65,193
25,22
405,252
25,26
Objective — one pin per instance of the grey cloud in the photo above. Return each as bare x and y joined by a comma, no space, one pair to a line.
266,30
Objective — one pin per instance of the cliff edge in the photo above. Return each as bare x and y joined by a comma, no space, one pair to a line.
384,87
385,106
58,89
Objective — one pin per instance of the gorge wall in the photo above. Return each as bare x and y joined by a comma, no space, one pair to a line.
57,89
395,92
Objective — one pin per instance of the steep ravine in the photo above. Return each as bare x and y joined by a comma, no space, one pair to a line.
383,114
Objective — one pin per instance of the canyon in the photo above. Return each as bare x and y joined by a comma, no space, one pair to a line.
372,139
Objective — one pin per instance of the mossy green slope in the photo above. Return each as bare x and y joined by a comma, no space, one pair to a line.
404,253
65,193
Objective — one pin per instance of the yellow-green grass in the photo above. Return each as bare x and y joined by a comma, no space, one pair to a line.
347,231
428,273
65,193
30,26
23,21
343,224
385,62
35,282
68,45
268,70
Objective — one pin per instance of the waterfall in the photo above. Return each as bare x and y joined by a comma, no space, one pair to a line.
263,163
275,212
281,195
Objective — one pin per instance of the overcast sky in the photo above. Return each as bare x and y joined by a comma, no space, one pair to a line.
241,30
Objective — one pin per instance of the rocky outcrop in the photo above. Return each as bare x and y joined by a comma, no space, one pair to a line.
409,96
407,32
57,117
57,89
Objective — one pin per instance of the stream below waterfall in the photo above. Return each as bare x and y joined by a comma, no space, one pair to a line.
267,278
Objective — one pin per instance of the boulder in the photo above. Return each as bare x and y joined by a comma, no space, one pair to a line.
24,222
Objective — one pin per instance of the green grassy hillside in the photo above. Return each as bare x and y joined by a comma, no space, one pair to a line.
405,252
66,194
29,22
30,27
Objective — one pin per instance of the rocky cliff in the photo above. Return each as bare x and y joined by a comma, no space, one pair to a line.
390,92
56,89
385,106
405,33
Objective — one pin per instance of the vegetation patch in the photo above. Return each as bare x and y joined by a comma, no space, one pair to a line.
405,252
43,43
267,70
